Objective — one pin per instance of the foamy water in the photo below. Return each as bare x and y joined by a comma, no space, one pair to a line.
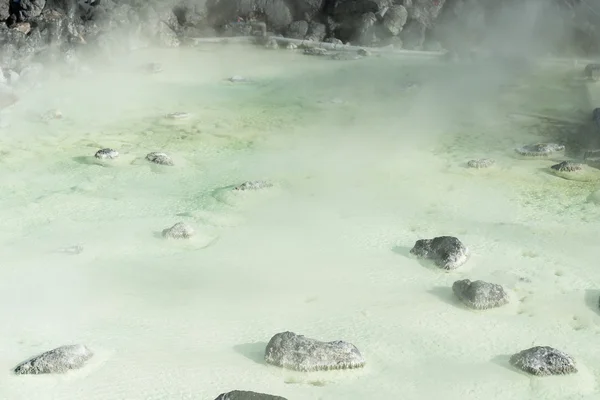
367,156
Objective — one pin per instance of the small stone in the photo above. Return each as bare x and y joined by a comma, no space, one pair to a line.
296,352
480,295
56,361
178,231
592,72
363,52
52,115
539,149
315,51
159,158
247,395
446,252
253,185
481,163
567,166
107,153
543,361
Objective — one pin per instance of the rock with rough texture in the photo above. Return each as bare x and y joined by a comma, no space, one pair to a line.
315,51
106,154
446,252
577,171
592,72
316,31
413,35
178,231
160,159
395,19
247,395
56,361
297,30
296,352
543,361
480,163
567,166
480,295
539,149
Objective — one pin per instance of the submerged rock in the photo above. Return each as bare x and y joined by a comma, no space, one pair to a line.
178,231
253,185
543,361
159,158
152,68
315,51
481,163
107,153
56,361
539,149
480,295
51,115
567,166
291,351
446,252
247,395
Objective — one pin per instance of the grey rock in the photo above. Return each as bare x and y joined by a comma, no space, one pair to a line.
159,158
539,149
297,30
480,295
316,31
395,19
247,395
596,117
315,51
567,166
413,35
253,185
107,153
296,352
56,361
446,252
592,72
178,231
480,163
543,361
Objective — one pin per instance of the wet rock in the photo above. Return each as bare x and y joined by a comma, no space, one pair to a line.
159,158
278,13
363,52
365,32
480,163
178,231
539,149
576,171
247,395
26,10
297,30
395,19
56,361
316,31
253,185
344,55
315,51
592,72
272,44
543,361
413,35
480,295
345,9
296,352
446,252
106,154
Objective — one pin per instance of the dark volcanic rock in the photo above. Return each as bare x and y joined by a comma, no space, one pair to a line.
296,352
544,360
316,31
105,154
413,35
277,13
247,395
26,10
395,19
56,361
297,30
446,252
480,295
567,166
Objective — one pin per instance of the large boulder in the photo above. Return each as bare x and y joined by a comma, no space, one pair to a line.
277,14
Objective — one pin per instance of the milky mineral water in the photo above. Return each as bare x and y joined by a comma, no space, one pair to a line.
364,157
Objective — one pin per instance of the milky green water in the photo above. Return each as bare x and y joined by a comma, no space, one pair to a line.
367,156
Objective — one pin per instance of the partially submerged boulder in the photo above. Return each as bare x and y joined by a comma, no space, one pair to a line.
539,149
160,159
297,352
446,252
56,361
106,154
480,163
178,231
543,361
247,395
480,295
